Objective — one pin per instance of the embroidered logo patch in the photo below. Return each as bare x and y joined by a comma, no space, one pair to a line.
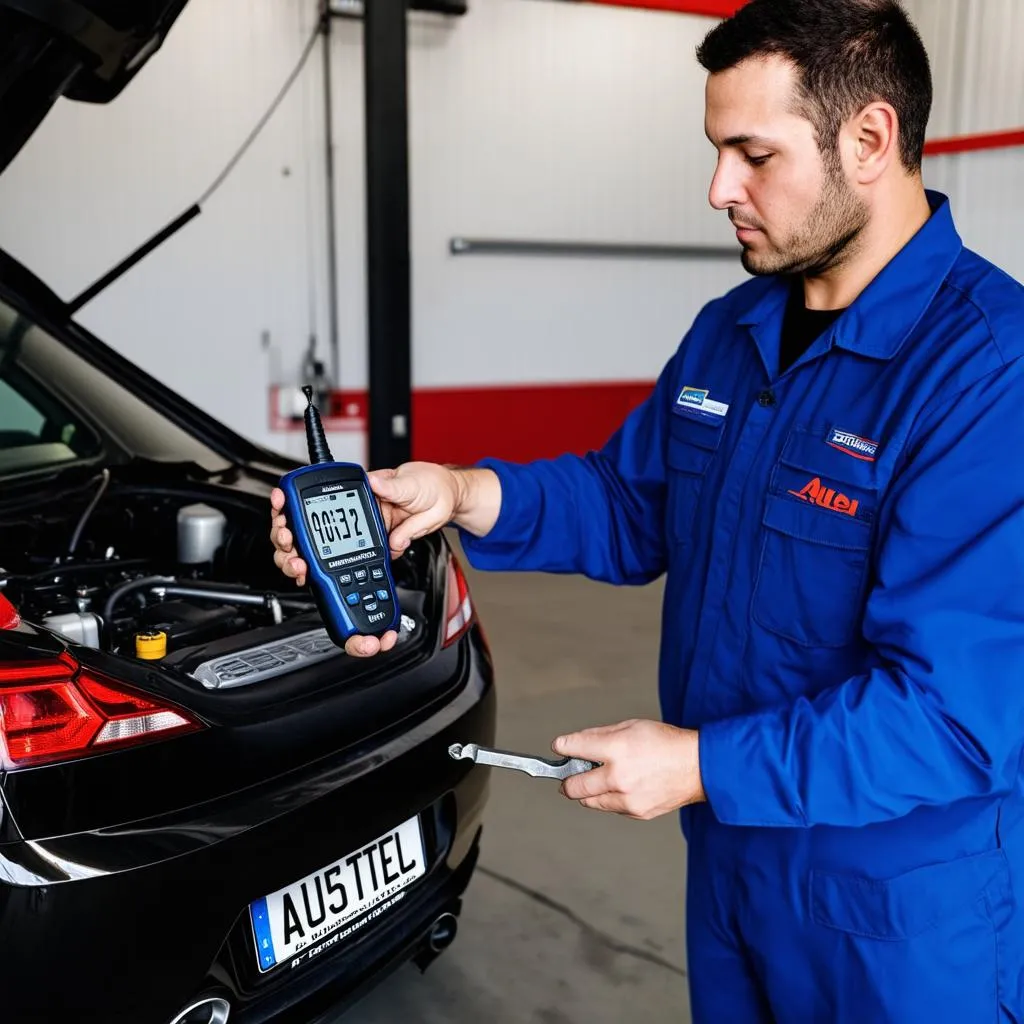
816,493
851,444
699,399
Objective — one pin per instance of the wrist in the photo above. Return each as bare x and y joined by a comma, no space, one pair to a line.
697,769
462,487
477,499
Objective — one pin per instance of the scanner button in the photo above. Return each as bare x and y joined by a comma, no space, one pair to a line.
345,579
371,607
383,595
352,599
360,575
378,574
368,597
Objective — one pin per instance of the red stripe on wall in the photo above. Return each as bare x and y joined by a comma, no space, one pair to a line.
973,143
519,422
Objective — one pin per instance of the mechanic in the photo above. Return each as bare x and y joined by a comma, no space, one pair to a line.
830,472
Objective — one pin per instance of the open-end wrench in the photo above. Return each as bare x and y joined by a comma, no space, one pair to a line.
538,767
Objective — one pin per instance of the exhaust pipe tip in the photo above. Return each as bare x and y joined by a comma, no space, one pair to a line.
442,932
438,937
208,1010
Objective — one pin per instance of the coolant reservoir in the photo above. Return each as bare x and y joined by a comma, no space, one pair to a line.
200,533
80,627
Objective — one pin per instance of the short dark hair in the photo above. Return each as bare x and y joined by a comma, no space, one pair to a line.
848,53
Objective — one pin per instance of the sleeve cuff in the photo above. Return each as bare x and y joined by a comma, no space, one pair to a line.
737,775
521,499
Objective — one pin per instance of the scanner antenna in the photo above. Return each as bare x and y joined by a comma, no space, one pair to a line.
315,439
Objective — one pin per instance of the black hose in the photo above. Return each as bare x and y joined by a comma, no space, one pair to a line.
126,588
208,590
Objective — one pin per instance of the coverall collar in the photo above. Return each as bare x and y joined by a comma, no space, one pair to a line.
883,315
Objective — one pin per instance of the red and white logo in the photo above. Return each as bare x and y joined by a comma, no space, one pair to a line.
816,493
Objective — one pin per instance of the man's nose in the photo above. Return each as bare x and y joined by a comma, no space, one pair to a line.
726,188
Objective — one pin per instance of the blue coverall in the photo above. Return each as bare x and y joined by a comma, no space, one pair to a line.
843,621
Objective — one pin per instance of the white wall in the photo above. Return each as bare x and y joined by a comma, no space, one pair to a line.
529,119
979,87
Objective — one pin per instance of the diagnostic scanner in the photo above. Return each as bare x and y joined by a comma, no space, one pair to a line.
338,530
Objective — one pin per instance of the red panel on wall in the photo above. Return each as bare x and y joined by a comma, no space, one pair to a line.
536,421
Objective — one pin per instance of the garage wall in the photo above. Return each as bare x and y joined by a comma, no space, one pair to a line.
95,182
529,119
975,50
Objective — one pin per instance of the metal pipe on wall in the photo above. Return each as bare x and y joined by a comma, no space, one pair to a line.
460,246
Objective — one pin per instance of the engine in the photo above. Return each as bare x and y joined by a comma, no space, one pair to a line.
115,573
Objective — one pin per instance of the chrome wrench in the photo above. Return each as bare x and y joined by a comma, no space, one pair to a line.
538,767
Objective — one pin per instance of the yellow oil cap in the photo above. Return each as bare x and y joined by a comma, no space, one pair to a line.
151,646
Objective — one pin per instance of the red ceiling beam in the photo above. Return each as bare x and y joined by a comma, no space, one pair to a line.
709,8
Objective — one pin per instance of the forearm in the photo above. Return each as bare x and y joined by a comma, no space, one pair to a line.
572,514
872,749
479,500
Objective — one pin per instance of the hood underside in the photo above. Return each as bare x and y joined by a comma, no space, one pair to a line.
87,50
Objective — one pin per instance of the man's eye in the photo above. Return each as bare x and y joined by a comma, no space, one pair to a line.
758,161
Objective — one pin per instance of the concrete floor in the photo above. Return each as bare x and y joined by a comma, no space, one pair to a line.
573,915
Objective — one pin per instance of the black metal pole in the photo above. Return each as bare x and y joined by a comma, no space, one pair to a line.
387,221
332,241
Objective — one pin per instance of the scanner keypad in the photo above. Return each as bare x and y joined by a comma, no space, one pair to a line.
367,596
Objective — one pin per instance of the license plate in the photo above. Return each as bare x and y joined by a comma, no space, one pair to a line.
303,919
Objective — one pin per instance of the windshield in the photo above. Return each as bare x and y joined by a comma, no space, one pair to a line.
56,408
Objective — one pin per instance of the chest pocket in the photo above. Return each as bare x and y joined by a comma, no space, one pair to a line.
691,444
818,527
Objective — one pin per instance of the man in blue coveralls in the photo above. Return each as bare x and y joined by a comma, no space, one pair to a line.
830,473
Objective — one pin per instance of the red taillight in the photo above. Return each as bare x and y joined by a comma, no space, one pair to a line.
47,714
9,618
459,613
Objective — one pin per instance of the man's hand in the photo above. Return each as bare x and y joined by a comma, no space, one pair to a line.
287,559
648,768
415,499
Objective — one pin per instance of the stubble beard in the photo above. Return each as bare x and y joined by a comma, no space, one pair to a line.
825,240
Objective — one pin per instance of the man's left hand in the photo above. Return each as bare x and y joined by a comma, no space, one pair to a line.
648,768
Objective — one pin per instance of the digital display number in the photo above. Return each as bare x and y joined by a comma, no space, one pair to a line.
337,523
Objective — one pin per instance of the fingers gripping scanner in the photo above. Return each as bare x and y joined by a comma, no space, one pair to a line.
338,531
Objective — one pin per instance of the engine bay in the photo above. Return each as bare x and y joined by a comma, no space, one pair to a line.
118,568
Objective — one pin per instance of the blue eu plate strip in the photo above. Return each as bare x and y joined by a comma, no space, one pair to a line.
261,929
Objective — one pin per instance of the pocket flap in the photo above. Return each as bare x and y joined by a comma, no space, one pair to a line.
692,441
807,521
908,904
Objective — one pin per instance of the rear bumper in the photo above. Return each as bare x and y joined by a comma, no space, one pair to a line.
136,936
320,996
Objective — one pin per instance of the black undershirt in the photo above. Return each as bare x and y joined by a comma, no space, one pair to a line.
801,326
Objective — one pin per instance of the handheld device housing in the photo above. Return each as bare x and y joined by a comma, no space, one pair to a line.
338,530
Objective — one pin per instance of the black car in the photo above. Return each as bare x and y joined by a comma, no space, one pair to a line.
208,811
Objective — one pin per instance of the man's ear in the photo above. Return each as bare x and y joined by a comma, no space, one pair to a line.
870,142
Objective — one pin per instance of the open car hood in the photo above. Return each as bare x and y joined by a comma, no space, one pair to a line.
83,49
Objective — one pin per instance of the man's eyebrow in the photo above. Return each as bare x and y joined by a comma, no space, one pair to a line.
743,140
